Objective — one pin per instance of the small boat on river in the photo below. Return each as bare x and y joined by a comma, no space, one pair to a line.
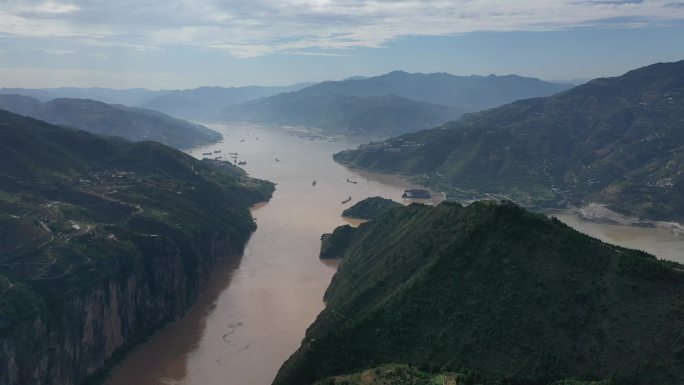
346,200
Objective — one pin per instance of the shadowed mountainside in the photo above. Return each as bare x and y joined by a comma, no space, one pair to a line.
103,241
116,120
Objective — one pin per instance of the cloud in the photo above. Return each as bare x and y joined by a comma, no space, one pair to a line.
59,51
308,27
55,77
304,53
49,7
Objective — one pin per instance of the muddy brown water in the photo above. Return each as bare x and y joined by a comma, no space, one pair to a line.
258,306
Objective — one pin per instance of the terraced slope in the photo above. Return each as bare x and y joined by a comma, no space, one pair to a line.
102,241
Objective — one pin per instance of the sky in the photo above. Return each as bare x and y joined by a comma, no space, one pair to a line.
171,44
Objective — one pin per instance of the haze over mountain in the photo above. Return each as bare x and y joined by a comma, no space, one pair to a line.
116,120
138,247
102,242
191,104
467,92
382,114
392,103
492,294
128,97
617,141
204,102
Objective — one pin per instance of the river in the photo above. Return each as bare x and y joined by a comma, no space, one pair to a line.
257,307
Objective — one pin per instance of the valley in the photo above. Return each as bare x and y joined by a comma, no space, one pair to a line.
242,330
335,192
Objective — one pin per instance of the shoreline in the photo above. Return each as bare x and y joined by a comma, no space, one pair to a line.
219,278
274,294
593,212
600,213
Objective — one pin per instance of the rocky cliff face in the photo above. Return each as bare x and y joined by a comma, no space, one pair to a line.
103,241
79,338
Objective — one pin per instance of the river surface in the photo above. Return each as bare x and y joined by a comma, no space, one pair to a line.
257,307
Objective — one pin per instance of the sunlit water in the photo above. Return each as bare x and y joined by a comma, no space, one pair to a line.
257,308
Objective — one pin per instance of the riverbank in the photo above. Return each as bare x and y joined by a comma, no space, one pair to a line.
159,352
275,292
600,213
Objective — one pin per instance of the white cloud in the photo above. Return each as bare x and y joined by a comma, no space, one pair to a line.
59,51
304,53
42,77
53,7
260,27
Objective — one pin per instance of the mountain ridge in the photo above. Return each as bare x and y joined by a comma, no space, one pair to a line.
612,140
204,102
112,119
411,101
379,114
496,292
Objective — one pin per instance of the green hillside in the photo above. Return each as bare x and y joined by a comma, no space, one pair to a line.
499,295
370,208
617,141
112,119
77,209
397,374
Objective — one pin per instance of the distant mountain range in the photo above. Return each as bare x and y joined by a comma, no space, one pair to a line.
116,120
389,104
490,294
382,114
471,93
192,104
617,141
128,97
205,102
